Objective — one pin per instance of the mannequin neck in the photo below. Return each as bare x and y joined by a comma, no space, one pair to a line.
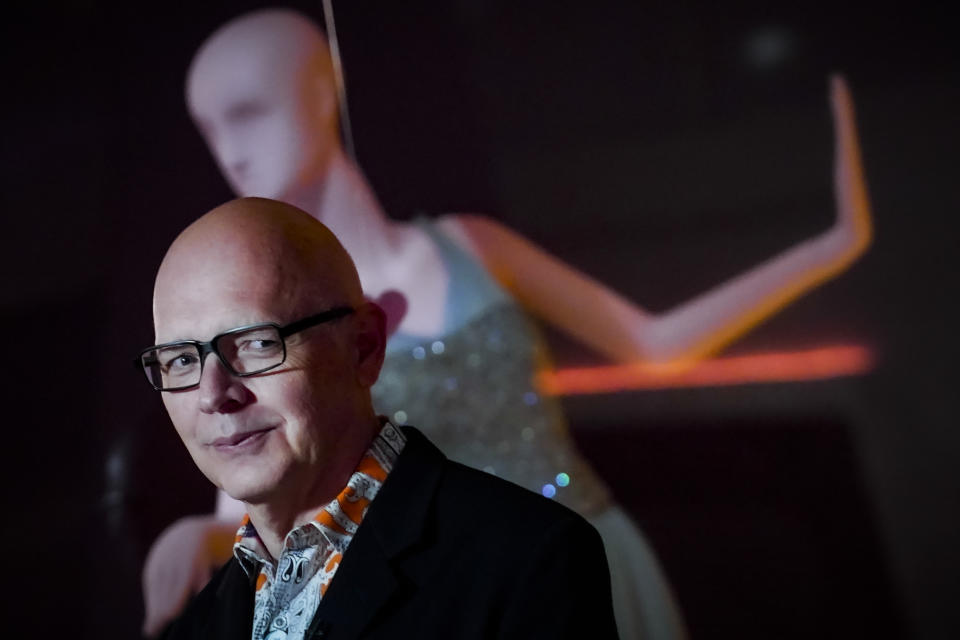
343,200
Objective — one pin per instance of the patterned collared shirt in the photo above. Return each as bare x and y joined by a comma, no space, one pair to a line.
289,591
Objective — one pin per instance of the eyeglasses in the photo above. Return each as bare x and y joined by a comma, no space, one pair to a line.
244,351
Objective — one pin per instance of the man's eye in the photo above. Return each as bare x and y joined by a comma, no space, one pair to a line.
259,344
181,362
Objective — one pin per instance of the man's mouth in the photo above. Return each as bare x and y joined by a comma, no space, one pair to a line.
241,440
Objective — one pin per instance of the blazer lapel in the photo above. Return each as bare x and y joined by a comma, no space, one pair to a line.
232,617
367,577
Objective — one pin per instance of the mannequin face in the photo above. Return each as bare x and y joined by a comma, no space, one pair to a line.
268,125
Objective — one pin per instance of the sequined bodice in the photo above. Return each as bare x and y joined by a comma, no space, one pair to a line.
471,391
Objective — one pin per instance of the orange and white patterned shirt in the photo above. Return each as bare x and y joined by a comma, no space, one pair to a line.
289,591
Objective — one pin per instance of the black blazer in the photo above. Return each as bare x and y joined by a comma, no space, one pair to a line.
445,551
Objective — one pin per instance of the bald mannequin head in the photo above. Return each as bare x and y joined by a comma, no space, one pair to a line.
289,436
261,90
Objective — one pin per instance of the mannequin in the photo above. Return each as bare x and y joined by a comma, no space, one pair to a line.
261,90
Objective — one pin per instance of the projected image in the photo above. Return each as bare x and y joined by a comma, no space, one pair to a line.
465,362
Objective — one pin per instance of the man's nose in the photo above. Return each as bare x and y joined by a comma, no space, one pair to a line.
221,391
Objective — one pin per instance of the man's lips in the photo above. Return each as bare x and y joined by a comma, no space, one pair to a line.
239,438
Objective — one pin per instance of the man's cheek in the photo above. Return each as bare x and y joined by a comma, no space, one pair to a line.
182,422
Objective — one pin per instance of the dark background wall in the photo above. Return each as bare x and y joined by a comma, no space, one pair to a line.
660,147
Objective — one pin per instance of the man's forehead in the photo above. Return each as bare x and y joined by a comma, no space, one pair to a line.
199,303
251,256
196,299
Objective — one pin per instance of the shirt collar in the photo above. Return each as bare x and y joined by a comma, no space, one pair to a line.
335,524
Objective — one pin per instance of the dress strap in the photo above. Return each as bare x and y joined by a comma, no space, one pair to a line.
470,290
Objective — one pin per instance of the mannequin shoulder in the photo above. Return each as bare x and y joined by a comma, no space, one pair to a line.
476,233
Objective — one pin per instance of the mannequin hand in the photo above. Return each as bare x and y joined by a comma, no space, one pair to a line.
853,225
180,563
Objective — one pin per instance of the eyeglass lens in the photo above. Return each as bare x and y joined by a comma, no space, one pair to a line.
244,352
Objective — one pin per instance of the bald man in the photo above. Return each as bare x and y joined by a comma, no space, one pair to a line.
266,352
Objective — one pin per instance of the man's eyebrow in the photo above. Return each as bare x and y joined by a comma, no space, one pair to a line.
175,341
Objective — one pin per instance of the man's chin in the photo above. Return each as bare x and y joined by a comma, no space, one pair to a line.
252,488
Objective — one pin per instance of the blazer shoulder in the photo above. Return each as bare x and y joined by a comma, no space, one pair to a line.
463,500
500,502
479,491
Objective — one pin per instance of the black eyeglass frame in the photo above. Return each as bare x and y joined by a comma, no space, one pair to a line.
206,348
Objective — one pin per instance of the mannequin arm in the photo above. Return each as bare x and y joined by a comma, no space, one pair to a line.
229,510
604,320
182,560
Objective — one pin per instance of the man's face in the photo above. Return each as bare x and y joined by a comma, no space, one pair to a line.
261,124
259,436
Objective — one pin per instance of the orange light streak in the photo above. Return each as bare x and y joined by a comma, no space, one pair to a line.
778,366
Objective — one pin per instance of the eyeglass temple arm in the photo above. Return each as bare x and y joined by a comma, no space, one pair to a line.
326,316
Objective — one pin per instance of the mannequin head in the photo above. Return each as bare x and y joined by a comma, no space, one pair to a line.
261,90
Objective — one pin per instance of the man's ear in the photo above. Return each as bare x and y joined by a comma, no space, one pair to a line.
370,323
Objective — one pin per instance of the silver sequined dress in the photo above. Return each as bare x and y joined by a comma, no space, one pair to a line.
471,391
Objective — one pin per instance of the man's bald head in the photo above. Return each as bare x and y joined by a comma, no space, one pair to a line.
262,250
262,91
